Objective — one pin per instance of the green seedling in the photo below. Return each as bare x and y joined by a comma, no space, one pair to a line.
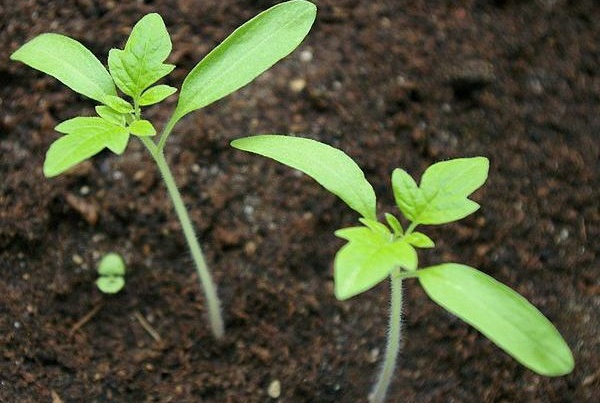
111,274
134,70
375,251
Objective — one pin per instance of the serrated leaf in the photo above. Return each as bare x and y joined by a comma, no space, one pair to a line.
86,136
69,62
501,314
140,64
419,240
110,285
245,54
367,259
443,191
108,113
394,224
114,136
142,128
330,167
118,104
156,94
112,264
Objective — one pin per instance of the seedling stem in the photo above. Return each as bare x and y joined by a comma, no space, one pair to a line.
206,281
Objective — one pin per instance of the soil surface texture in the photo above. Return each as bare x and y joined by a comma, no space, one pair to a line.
393,84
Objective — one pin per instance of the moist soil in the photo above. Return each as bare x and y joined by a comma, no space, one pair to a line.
392,83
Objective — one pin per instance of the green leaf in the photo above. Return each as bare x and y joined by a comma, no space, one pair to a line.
108,113
69,62
156,94
70,150
407,194
442,194
419,240
113,136
367,259
110,285
501,314
245,54
140,64
112,264
376,226
330,167
118,104
86,136
142,128
394,224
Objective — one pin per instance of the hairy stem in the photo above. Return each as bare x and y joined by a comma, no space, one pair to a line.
393,342
214,306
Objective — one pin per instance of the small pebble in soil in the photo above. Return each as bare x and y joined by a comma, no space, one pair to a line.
306,56
274,389
78,260
297,85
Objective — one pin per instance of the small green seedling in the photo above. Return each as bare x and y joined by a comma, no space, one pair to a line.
134,70
111,274
376,251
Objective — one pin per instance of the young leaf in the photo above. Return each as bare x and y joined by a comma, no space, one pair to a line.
69,62
108,113
394,224
142,128
140,64
156,94
112,264
442,195
110,284
332,168
114,136
118,104
407,194
367,259
419,240
86,136
245,54
501,314
70,150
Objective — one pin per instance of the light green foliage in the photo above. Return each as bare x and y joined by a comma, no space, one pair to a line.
245,54
374,252
142,128
504,316
85,137
140,64
419,240
111,272
442,196
330,167
68,61
135,69
367,259
156,94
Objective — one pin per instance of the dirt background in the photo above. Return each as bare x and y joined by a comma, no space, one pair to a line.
393,83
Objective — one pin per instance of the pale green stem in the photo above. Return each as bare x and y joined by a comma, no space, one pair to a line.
214,308
166,132
393,342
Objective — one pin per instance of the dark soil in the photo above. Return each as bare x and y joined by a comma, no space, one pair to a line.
393,83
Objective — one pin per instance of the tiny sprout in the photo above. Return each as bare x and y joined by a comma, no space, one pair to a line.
375,251
111,272
134,70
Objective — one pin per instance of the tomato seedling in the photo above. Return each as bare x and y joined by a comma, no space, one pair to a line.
375,251
246,53
111,273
